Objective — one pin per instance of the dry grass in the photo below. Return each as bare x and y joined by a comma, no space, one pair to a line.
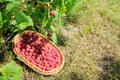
92,48
92,45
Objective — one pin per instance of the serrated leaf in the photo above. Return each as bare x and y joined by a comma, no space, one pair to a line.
11,71
53,28
23,21
54,37
12,5
0,20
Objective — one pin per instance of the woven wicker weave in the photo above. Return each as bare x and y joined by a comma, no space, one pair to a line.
34,67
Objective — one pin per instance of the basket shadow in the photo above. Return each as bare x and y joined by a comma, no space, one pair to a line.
61,40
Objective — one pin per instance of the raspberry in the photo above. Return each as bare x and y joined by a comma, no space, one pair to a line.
28,57
31,50
23,54
52,13
38,52
28,46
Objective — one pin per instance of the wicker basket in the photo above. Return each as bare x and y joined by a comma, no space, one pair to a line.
34,67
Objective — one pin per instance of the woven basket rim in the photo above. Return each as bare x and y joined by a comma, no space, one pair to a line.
34,67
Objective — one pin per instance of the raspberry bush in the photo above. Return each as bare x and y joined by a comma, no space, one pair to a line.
44,16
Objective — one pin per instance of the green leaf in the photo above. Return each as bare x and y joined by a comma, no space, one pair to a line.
53,28
0,20
2,40
1,1
63,9
20,17
11,71
44,23
87,30
4,78
23,21
54,37
9,0
12,5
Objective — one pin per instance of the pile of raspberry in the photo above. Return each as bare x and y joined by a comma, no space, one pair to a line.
38,51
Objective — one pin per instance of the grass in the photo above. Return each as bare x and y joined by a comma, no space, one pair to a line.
91,43
92,49
99,27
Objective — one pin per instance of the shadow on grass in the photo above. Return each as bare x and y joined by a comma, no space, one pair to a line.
69,76
2,57
74,76
111,69
61,40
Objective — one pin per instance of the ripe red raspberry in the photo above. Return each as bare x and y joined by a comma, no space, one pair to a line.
32,61
47,68
23,54
23,50
28,57
52,13
49,34
31,50
39,52
40,66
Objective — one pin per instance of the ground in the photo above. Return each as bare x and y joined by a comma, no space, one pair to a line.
91,45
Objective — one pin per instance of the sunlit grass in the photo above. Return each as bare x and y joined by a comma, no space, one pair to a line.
98,26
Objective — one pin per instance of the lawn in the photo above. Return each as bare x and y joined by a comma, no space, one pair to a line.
89,40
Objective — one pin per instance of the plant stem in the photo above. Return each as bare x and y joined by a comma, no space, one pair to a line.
0,33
